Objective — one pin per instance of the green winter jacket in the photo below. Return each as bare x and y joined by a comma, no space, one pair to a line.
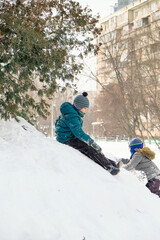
69,125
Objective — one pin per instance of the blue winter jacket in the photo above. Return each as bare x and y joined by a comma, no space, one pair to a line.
69,125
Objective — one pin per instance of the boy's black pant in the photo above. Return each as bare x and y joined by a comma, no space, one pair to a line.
154,186
91,153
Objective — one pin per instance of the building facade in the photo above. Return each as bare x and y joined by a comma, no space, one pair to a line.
131,20
130,52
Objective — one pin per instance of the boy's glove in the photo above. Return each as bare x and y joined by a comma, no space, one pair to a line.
119,164
96,146
122,161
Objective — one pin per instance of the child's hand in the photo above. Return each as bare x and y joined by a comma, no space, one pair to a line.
124,160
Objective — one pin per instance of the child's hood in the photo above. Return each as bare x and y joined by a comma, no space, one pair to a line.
146,152
67,108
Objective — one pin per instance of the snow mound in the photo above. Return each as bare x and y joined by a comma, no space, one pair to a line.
49,191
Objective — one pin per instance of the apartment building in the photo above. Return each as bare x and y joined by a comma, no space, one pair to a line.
131,38
132,19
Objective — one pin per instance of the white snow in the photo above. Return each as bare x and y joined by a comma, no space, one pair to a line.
49,191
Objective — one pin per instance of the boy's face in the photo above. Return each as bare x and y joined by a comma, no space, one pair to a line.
84,110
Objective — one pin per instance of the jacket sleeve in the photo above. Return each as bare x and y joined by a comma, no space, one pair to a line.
136,159
76,129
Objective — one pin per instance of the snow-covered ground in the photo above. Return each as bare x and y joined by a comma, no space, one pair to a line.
49,191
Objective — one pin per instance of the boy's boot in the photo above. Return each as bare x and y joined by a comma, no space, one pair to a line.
114,170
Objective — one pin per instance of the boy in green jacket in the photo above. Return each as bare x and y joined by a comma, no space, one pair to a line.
68,128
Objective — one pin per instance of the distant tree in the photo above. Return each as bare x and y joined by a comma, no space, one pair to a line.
41,43
131,62
109,109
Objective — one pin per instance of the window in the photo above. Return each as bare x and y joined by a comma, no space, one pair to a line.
112,20
136,14
144,10
158,78
131,27
106,27
153,6
106,54
119,33
120,18
145,21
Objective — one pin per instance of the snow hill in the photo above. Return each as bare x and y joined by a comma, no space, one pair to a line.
49,191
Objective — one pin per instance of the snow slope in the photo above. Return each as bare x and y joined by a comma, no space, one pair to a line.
49,191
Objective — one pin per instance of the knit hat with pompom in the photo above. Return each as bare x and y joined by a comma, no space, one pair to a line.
81,101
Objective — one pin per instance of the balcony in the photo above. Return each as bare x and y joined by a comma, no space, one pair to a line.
155,16
141,22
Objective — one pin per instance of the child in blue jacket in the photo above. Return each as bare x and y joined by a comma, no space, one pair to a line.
68,128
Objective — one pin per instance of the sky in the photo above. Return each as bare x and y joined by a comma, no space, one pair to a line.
50,191
103,7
